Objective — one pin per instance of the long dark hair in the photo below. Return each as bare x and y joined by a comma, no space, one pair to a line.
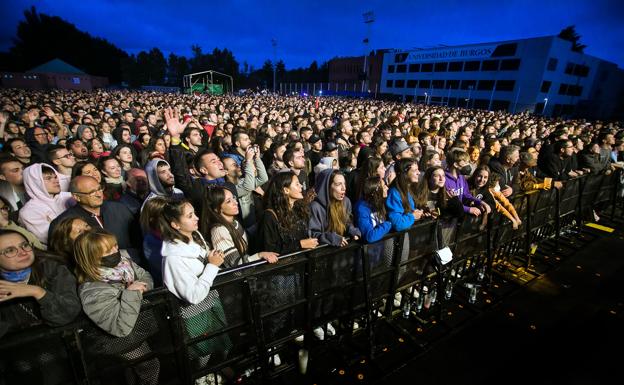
372,193
472,181
211,217
171,212
424,188
368,169
276,200
402,183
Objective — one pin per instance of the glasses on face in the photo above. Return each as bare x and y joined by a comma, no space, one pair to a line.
4,208
90,193
12,251
69,155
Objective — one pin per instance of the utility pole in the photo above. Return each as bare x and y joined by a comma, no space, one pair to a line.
274,44
369,19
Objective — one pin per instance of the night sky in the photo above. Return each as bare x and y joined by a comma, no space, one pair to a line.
319,30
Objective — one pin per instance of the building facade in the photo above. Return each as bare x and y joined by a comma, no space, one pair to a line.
541,75
55,74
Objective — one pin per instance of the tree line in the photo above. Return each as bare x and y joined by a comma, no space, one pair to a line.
41,38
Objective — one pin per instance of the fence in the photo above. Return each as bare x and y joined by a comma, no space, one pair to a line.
253,311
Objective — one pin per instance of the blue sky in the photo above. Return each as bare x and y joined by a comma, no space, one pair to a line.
319,30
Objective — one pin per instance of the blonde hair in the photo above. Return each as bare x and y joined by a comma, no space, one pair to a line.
89,248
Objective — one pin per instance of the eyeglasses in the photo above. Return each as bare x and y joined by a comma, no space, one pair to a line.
90,193
12,251
66,156
4,208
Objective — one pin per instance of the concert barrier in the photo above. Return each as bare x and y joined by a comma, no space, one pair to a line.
259,310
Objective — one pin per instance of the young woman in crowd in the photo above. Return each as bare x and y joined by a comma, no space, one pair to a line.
402,210
37,289
189,270
111,289
96,149
370,209
114,184
284,225
63,237
126,156
152,239
330,218
87,169
485,185
219,224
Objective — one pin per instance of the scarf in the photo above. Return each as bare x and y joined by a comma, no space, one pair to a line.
20,276
122,273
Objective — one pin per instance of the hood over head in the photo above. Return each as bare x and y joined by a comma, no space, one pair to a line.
321,186
33,182
151,169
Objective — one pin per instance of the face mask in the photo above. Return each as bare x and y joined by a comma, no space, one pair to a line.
497,188
111,260
16,276
465,170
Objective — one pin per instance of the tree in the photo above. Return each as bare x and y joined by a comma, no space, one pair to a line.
569,33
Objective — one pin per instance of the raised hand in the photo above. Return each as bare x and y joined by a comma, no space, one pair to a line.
48,112
4,117
172,118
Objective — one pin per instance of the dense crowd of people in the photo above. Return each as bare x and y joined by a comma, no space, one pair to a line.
105,195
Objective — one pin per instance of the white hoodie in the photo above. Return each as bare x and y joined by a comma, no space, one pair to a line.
42,208
184,273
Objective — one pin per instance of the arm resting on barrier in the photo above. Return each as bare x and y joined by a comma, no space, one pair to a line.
113,309
399,219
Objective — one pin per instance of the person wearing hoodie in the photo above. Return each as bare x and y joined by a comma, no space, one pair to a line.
458,166
330,212
189,269
161,181
47,200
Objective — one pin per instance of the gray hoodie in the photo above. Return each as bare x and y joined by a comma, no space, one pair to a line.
156,188
319,220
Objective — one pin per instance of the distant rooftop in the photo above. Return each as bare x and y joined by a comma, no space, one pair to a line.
56,66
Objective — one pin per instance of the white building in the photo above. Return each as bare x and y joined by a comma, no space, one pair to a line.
517,75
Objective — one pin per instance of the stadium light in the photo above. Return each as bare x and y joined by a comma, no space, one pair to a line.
545,104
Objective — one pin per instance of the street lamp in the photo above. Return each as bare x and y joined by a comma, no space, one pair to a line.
426,99
545,104
369,18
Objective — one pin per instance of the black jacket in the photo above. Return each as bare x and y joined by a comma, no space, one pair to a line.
116,218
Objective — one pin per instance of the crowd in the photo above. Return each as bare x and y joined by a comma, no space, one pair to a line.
105,195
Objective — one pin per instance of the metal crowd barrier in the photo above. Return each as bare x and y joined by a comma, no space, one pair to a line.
256,310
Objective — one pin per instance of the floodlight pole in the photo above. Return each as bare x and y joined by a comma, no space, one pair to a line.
274,44
369,18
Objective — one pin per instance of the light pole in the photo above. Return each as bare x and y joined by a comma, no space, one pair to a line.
369,18
545,104
426,99
274,44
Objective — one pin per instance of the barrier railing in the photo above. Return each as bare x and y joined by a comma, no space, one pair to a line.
253,311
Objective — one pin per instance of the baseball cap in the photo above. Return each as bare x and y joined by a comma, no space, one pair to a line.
314,139
398,147
330,146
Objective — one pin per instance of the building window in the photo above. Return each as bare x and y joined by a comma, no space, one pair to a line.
424,84
508,49
563,89
414,68
426,67
581,70
467,84
400,83
472,66
575,90
389,83
505,85
489,65
552,64
391,69
510,65
545,86
400,57
401,68
569,68
456,66
452,84
440,67
412,83
486,85
437,84
500,105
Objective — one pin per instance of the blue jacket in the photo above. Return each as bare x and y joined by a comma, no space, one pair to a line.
396,214
368,222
